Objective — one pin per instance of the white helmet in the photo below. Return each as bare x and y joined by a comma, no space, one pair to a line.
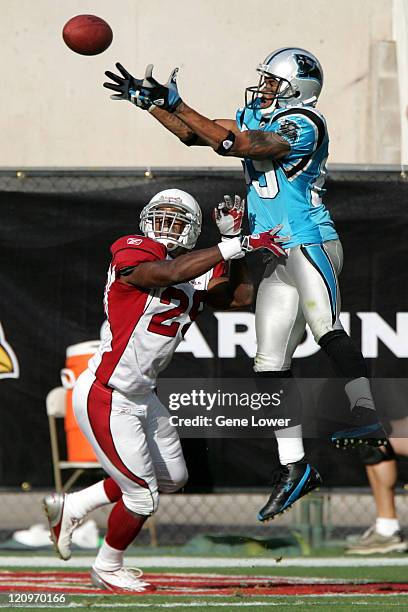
300,77
166,210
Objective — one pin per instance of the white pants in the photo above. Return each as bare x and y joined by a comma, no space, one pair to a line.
133,441
296,290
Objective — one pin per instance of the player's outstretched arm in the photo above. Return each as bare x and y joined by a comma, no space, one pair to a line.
252,144
176,126
167,272
222,135
140,93
187,124
225,139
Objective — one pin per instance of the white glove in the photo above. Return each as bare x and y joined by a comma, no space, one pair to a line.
228,216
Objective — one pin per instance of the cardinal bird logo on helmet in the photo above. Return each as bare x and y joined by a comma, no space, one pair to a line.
8,360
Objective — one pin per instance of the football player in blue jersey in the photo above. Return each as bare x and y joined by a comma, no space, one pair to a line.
283,141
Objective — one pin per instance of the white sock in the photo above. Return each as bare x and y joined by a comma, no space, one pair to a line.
80,503
386,526
290,444
108,559
359,393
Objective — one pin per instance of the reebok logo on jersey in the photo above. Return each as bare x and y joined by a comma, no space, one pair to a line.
134,241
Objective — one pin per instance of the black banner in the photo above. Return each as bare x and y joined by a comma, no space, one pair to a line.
54,253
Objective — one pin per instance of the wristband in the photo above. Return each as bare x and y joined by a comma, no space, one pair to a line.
226,239
230,248
226,145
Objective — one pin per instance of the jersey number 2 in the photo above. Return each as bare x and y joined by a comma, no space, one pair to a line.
157,323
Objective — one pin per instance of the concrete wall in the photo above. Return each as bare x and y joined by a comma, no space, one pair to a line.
383,137
401,38
54,111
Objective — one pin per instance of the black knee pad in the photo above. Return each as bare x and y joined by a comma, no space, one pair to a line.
372,455
346,358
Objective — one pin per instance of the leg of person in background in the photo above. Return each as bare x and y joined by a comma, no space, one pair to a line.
280,325
383,478
381,467
385,535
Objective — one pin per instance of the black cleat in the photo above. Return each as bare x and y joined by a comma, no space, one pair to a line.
291,482
365,429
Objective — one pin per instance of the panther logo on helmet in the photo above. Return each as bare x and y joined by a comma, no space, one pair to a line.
308,68
297,76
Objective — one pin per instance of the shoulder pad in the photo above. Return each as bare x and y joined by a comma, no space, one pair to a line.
141,243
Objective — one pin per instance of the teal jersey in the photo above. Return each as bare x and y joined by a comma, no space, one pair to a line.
289,191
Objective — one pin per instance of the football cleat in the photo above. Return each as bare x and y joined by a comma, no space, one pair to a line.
365,429
291,482
120,580
61,523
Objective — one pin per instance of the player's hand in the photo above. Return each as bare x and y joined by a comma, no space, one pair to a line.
228,216
127,87
266,240
165,96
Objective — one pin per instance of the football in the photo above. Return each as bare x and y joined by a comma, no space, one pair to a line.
87,34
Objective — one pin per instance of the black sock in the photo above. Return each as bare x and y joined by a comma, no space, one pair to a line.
345,357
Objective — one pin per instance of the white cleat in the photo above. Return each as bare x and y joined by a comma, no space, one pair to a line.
123,579
61,523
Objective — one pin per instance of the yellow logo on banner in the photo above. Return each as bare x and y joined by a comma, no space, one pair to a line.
8,360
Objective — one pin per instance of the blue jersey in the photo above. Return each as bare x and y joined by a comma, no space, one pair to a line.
289,191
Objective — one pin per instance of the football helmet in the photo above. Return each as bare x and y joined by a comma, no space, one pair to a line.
299,76
172,217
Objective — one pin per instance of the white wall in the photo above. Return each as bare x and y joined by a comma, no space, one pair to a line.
401,35
54,111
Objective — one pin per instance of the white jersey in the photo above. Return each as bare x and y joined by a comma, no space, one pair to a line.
144,326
